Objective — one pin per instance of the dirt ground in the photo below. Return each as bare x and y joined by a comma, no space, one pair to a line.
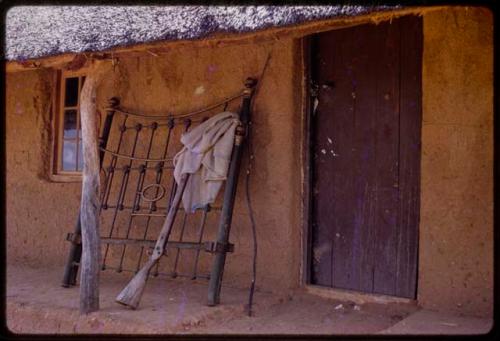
37,304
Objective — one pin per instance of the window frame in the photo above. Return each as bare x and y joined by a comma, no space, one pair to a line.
57,174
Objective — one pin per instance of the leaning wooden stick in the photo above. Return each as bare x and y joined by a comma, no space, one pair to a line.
131,294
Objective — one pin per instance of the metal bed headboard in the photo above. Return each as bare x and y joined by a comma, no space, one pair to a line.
136,152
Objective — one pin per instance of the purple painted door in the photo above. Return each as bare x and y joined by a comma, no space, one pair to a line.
366,157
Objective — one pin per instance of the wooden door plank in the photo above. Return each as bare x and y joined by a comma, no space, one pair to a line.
323,175
364,87
410,126
350,118
387,154
342,157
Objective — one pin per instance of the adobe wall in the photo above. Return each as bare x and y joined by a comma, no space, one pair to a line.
38,213
456,224
41,212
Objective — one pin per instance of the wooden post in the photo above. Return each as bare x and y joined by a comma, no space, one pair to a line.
89,209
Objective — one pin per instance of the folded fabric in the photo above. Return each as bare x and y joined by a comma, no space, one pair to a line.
206,155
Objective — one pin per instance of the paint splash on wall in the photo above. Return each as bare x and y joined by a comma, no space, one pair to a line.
199,90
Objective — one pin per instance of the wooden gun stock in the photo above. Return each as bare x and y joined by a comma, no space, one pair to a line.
131,294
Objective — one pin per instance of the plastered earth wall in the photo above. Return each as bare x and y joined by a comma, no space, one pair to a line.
456,215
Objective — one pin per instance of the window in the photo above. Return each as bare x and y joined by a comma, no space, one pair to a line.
68,158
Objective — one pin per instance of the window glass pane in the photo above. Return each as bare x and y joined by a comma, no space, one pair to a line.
69,155
71,95
70,124
79,126
80,155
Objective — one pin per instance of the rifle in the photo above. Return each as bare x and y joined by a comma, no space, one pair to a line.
131,294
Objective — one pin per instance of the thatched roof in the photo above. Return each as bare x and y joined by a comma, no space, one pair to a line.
42,31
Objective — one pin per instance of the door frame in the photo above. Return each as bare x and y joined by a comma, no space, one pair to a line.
306,145
306,50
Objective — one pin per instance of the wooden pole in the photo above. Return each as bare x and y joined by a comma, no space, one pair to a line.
89,208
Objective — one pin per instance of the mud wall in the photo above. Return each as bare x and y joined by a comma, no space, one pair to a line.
456,224
41,212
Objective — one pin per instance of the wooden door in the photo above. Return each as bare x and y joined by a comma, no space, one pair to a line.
366,157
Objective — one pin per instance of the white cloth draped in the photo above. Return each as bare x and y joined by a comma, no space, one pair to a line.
206,155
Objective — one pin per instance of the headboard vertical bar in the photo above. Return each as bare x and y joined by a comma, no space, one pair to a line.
214,286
